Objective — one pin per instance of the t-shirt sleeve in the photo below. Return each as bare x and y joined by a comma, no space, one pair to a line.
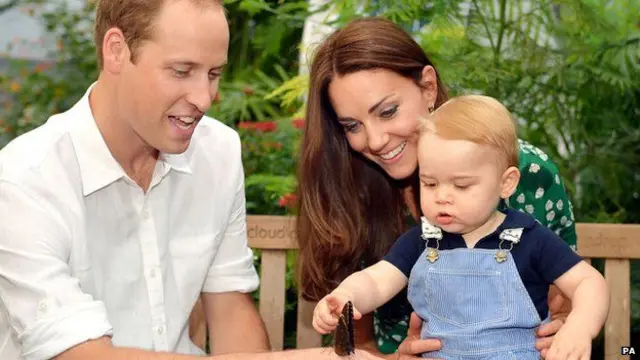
553,257
405,252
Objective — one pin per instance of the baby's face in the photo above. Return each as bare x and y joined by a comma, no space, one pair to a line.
460,182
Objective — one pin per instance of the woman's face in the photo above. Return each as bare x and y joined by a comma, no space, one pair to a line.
379,111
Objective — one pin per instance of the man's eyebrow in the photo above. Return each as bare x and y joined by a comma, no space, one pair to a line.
193,64
376,105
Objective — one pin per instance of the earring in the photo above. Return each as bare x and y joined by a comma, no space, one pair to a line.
431,109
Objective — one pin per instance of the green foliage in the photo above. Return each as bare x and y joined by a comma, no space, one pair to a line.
37,91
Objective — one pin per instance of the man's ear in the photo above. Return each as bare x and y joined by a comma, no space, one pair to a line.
115,51
509,182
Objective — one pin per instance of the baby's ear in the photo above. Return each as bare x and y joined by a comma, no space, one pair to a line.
509,182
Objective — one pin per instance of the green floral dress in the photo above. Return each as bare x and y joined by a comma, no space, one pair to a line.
539,193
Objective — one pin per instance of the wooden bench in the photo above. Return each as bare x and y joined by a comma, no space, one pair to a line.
274,235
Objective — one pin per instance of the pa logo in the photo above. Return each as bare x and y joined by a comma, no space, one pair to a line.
627,350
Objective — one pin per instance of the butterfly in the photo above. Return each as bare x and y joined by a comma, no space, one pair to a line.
343,337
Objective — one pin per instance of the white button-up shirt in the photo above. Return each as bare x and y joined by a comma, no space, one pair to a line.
84,252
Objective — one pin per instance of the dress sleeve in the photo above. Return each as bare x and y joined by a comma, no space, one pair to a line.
542,194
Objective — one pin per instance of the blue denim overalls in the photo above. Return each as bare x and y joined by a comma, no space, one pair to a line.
473,300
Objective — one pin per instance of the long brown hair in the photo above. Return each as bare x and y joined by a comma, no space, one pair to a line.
349,210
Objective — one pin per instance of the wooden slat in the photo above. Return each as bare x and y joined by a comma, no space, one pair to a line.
271,232
613,241
306,336
617,330
272,294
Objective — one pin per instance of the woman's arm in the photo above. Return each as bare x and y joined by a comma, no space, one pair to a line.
541,193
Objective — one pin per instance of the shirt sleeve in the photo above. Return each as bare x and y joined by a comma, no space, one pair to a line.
232,268
553,256
541,193
405,252
43,305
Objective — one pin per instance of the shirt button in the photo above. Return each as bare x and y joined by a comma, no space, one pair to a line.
160,330
145,214
152,273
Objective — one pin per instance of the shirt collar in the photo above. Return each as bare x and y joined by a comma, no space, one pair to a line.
516,219
98,167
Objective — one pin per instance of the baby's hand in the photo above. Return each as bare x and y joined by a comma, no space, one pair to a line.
327,312
570,343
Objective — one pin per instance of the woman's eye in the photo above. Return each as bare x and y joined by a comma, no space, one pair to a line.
389,112
429,185
462,187
351,126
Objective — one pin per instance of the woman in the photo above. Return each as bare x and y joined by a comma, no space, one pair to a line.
369,84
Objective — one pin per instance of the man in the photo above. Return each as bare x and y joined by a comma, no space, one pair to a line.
117,214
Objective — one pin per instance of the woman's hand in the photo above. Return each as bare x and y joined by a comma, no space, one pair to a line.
413,346
559,307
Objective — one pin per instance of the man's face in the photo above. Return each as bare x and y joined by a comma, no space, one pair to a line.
175,78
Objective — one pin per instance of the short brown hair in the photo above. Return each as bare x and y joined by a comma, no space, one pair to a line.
480,119
133,17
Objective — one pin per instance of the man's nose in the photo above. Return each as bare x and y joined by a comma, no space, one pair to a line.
201,95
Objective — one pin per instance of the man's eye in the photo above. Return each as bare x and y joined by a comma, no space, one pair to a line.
389,112
180,73
462,187
214,75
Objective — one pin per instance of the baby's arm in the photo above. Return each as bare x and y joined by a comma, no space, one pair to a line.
367,290
589,296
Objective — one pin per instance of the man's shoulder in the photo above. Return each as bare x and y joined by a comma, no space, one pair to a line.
29,151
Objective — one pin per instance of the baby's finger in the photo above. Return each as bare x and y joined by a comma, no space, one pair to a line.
334,304
357,315
328,318
322,327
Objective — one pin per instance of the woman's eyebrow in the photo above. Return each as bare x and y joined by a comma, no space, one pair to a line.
376,105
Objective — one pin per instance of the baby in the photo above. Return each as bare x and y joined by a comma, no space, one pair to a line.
478,277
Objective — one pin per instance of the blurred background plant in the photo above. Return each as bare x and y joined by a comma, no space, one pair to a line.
568,69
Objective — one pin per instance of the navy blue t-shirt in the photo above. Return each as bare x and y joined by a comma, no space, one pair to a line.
540,257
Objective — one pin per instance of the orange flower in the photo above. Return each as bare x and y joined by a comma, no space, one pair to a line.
298,123
42,67
288,200
266,126
15,87
273,145
246,125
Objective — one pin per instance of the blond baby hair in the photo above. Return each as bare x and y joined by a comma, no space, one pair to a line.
479,119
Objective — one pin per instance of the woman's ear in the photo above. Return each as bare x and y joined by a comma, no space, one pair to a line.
509,182
429,84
